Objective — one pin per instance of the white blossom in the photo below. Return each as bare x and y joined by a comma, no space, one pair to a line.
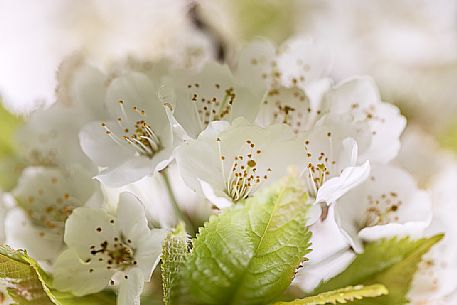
229,162
103,249
137,138
433,281
387,204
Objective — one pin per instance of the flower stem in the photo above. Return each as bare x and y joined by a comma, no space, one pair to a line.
182,216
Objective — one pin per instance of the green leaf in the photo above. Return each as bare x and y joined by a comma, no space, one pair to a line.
249,253
448,137
343,295
101,298
391,262
25,280
28,284
174,255
260,18
8,125
10,164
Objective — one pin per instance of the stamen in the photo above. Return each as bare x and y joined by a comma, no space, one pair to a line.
209,109
116,254
143,138
319,169
290,107
381,210
243,178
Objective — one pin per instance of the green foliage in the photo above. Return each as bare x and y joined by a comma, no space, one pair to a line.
259,18
25,280
391,262
448,138
343,295
249,253
101,298
28,284
10,165
174,256
8,125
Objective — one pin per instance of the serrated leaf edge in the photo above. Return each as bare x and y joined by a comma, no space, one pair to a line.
343,295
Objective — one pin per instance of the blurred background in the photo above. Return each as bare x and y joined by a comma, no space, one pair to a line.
408,46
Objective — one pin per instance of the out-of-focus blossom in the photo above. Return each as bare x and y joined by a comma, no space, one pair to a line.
36,38
81,99
45,198
436,171
407,46
433,282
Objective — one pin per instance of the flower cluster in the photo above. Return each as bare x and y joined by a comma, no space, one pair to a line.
168,144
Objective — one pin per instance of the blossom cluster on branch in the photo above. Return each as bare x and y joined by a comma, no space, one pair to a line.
126,156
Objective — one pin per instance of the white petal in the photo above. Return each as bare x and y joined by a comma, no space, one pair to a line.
386,134
314,213
360,97
351,147
88,227
178,130
100,147
199,160
72,274
213,130
131,218
309,277
345,219
315,91
127,172
153,194
359,91
254,61
136,90
191,202
327,239
131,288
149,250
414,229
219,199
336,187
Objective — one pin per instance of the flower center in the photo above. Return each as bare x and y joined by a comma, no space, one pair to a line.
117,255
320,166
291,107
243,177
381,210
367,113
49,214
212,108
137,133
